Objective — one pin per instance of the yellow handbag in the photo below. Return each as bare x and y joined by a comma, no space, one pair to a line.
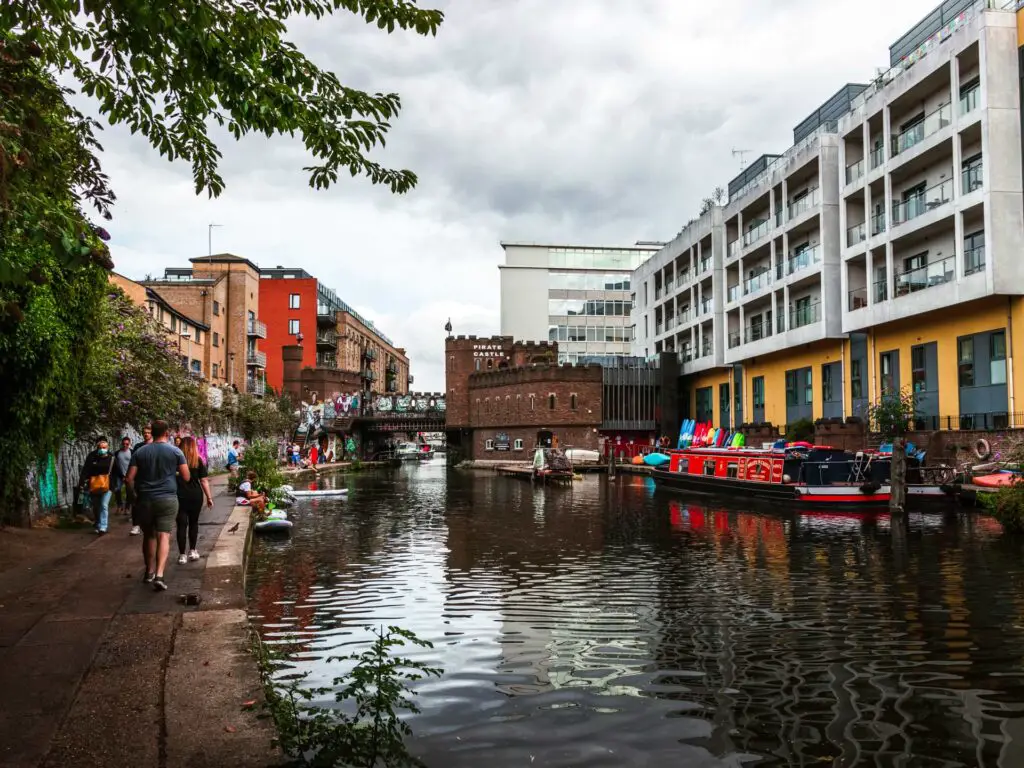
101,483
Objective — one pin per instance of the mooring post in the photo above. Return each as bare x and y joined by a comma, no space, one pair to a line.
898,477
611,465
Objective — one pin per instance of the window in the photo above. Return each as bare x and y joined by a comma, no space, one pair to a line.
488,445
517,444
709,466
918,369
856,379
199,336
293,327
214,368
216,307
826,384
572,401
551,402
172,323
887,362
758,391
533,402
808,385
997,357
974,252
791,398
965,361
293,301
216,339
732,469
477,363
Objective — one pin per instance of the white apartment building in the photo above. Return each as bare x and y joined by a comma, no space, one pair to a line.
579,296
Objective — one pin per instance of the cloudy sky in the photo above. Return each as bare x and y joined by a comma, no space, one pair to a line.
579,121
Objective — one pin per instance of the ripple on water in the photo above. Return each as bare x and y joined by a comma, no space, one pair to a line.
606,625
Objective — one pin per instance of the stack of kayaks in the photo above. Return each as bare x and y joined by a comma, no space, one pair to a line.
693,434
656,459
276,520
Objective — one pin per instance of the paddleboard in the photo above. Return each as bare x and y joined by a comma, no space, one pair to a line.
325,493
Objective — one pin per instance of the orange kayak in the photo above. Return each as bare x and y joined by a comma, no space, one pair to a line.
998,480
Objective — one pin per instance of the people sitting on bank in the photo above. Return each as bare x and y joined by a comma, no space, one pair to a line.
249,497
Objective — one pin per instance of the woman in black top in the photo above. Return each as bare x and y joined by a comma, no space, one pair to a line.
190,500
97,479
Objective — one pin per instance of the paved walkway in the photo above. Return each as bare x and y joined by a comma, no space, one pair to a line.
97,669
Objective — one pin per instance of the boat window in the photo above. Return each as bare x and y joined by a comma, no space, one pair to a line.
733,470
709,466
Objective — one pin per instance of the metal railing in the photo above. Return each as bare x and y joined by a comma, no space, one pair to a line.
933,122
659,329
684,277
757,331
970,179
369,353
258,359
324,360
327,338
780,323
926,276
804,315
974,260
779,214
733,250
683,317
919,204
705,306
856,234
256,386
670,323
657,292
706,348
881,288
757,282
970,422
734,339
392,367
369,374
257,328
969,100
806,258
804,204
857,299
733,292
755,233
705,264
878,223
668,285
876,157
854,171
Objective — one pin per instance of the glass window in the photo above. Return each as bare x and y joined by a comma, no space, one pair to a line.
216,339
489,445
887,363
808,385
997,357
293,301
791,398
592,332
216,307
758,391
214,368
919,374
856,379
553,333
826,383
563,333
572,401
965,361
293,327
517,444
552,400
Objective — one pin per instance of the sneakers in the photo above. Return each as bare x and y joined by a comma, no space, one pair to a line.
193,555
182,559
148,578
135,531
159,584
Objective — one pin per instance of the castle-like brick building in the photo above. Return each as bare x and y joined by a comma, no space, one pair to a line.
505,397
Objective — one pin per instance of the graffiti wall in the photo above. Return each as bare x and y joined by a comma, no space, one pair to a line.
411,404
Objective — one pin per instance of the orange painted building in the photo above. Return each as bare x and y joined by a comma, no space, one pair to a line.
288,307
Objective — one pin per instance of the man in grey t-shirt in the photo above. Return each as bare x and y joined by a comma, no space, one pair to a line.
152,475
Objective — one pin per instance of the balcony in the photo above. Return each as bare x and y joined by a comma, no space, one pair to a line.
392,367
668,286
369,374
257,329
705,307
734,339
971,179
932,123
757,331
733,292
369,353
683,318
974,260
658,292
756,283
325,315
804,204
857,299
806,258
670,323
684,278
881,288
734,250
804,314
876,157
659,328
705,265
926,276
326,360
921,203
969,100
756,232
256,359
706,348
256,386
687,353
854,171
856,234
327,339
878,224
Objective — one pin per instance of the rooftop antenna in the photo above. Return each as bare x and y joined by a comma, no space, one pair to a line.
740,153
209,237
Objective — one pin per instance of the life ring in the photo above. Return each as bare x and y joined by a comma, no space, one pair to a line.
982,449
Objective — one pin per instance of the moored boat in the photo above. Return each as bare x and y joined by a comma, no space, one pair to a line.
324,493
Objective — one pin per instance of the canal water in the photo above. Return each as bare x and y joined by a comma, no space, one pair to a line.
608,624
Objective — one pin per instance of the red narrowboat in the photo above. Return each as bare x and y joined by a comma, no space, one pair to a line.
810,476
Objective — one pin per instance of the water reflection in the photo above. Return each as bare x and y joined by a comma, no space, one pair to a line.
606,624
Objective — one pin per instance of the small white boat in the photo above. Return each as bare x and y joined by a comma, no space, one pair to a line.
582,456
321,494
273,524
408,452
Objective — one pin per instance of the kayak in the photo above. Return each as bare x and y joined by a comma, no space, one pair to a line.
325,493
656,459
273,524
999,480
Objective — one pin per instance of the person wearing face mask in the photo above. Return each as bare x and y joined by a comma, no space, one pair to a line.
96,479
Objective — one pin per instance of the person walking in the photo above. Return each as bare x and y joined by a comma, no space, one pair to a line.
233,457
190,500
147,438
95,479
152,477
122,459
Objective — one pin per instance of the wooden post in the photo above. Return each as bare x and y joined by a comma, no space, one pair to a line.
611,465
898,477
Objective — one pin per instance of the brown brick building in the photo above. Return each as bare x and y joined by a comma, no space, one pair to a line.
504,397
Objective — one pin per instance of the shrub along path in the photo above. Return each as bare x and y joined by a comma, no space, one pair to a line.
97,669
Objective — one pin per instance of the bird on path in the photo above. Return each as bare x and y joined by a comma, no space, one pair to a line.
233,528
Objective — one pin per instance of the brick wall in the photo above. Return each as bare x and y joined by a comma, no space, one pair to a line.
539,397
574,436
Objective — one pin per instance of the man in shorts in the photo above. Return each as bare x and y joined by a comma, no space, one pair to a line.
152,475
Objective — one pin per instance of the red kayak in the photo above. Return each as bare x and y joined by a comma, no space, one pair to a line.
998,480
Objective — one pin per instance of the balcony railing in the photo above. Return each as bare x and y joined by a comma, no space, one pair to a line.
854,171
256,387
734,339
780,323
881,288
705,265
857,299
687,354
369,374
324,360
804,315
684,278
757,331
657,292
327,338
927,276
931,198
757,282
806,258
256,359
392,367
974,260
706,348
325,315
659,329
971,179
733,292
257,328
858,233
683,317
705,306
969,100
734,249
933,122
878,224
804,204
755,233
670,323
668,286
876,157
369,353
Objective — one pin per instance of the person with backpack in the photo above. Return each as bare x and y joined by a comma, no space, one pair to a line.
96,479
190,500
